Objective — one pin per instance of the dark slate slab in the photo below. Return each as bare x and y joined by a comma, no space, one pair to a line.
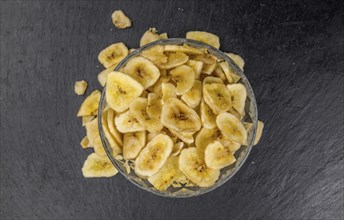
294,61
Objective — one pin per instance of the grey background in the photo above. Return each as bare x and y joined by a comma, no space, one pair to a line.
294,61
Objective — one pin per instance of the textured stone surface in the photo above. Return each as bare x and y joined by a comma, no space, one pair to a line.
294,61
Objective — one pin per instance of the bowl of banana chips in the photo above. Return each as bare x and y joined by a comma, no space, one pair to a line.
178,117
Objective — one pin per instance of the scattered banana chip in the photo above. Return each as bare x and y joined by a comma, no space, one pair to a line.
97,166
259,132
163,36
80,87
204,37
102,76
132,50
113,130
116,148
120,20
237,59
149,37
90,104
175,114
84,142
86,119
113,54
92,133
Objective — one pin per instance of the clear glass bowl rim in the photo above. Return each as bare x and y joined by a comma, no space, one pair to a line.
219,54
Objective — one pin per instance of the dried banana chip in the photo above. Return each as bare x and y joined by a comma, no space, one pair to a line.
90,105
80,87
120,20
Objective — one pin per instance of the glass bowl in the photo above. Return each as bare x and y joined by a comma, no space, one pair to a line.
227,173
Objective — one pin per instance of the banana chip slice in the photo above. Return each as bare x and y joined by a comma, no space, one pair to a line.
217,156
102,76
138,108
207,116
121,90
92,133
184,77
184,49
90,104
174,60
238,94
212,79
120,20
177,147
154,155
154,106
259,133
231,76
126,123
218,97
180,117
113,130
197,66
187,137
149,37
204,37
168,91
112,54
237,59
166,175
97,166
194,167
193,97
133,143
156,55
143,71
163,36
116,148
84,142
231,127
80,87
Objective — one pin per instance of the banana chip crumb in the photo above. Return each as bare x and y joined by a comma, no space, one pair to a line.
80,87
120,20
